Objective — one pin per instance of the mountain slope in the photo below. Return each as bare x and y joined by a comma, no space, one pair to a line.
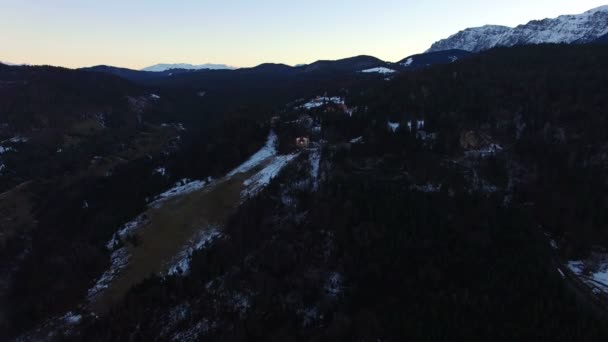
603,39
569,29
472,39
71,142
399,210
351,64
424,60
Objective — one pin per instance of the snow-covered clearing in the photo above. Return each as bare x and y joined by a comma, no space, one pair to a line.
182,187
260,180
393,126
14,140
379,70
314,157
408,62
592,271
6,149
161,171
267,151
72,318
126,230
321,101
419,124
358,140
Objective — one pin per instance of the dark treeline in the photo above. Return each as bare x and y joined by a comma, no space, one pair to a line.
412,265
369,256
456,263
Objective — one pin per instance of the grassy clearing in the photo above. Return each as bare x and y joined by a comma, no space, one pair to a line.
169,228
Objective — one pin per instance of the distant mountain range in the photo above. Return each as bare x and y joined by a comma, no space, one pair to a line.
358,66
185,66
588,27
569,29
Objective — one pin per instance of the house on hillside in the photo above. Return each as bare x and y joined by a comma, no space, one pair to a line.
302,142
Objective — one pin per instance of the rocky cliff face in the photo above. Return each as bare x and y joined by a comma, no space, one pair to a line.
570,29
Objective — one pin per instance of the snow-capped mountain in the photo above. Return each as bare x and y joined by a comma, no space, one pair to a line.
581,28
165,67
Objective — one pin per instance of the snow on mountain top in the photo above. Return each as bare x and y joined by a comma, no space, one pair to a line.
472,39
379,70
164,67
579,28
14,64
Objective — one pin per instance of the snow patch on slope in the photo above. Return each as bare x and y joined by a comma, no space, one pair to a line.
182,187
120,259
181,262
267,151
379,70
314,157
321,101
408,62
393,126
592,271
261,179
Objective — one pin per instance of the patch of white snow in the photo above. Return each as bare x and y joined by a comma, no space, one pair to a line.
393,126
72,318
264,153
408,62
261,179
358,140
379,70
321,101
182,187
181,262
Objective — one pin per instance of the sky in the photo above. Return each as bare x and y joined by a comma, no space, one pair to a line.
139,33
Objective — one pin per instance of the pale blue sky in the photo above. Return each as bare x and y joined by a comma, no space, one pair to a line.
139,33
